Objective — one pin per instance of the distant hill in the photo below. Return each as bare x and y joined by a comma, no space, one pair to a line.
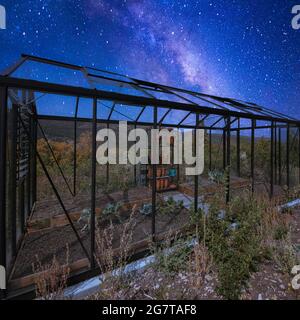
64,130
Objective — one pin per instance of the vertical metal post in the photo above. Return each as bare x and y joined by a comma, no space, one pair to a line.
210,149
196,181
238,149
93,186
272,161
34,162
107,164
3,142
33,147
32,169
28,176
275,152
26,192
224,149
299,154
288,156
178,166
279,158
252,153
21,205
75,149
134,168
13,178
154,180
228,160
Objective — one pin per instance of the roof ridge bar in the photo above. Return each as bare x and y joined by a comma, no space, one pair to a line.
52,62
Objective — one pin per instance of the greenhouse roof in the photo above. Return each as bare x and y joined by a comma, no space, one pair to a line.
124,97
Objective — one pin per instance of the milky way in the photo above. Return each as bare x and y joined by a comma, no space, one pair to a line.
159,37
244,49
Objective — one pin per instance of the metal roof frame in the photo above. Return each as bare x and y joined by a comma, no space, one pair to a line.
222,106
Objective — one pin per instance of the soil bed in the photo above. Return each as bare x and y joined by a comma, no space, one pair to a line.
47,243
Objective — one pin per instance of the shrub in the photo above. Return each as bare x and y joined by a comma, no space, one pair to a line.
172,257
235,243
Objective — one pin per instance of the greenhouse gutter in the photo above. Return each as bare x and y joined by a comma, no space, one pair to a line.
91,286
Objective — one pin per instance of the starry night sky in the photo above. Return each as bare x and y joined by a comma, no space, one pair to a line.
241,49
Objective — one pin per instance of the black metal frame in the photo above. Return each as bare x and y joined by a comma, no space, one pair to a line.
3,142
227,111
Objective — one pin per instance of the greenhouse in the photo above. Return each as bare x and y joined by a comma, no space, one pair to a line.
57,200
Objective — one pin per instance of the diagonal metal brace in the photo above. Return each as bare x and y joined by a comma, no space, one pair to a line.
55,191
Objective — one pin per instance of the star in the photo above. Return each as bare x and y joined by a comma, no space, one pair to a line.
229,48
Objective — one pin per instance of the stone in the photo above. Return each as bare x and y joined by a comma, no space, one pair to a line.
208,278
282,287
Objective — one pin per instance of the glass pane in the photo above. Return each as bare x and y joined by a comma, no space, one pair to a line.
56,105
49,73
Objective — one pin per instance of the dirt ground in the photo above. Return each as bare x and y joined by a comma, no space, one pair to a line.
51,208
47,243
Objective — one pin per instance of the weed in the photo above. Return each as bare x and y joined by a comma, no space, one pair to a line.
200,264
51,279
110,259
285,255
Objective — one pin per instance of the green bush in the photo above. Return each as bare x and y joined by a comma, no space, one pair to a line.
234,242
172,262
